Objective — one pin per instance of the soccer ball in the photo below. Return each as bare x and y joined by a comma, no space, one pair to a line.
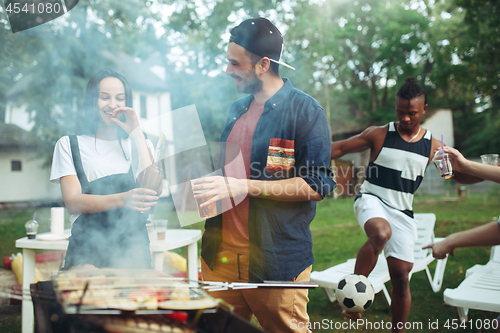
355,293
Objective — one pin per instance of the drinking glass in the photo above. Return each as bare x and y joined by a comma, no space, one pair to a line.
207,211
443,164
491,159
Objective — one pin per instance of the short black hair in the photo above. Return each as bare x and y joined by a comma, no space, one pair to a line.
254,59
410,90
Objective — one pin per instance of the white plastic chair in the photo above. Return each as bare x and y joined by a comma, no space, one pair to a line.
423,258
480,290
329,278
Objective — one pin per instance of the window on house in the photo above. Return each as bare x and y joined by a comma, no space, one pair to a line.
144,110
16,166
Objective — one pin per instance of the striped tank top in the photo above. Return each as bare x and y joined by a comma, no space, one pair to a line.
398,170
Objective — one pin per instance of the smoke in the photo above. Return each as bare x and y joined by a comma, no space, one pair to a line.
45,72
188,156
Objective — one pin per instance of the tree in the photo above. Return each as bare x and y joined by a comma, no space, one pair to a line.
350,55
464,71
16,57
355,53
57,59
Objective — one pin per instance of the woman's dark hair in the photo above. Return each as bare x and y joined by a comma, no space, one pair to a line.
90,114
410,89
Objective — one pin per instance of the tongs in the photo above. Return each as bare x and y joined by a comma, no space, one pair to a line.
218,286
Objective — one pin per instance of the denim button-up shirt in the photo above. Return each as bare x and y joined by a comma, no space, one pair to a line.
292,139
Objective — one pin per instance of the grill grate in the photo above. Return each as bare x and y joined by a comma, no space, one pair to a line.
126,290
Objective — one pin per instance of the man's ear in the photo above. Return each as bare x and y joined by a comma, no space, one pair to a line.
263,65
425,108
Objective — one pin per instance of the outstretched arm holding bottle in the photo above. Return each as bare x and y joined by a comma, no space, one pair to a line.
485,235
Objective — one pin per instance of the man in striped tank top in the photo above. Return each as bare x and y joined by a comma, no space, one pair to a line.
400,153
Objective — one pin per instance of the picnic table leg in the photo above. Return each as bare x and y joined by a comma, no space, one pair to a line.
192,261
28,278
158,261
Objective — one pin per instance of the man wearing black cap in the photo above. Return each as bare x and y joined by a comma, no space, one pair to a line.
284,141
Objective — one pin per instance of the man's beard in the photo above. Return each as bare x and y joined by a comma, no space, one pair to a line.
251,85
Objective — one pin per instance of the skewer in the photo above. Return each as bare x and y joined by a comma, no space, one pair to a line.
79,305
205,285
195,288
23,296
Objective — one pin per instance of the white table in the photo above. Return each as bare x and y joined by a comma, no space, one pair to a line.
174,238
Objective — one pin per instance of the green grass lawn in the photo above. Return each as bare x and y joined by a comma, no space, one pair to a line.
12,227
337,237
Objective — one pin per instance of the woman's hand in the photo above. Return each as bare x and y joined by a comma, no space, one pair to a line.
140,199
151,178
131,121
458,161
441,249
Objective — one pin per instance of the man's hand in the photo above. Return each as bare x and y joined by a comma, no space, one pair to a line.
351,315
219,188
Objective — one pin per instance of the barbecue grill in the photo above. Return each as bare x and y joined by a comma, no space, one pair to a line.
50,317
129,301
136,301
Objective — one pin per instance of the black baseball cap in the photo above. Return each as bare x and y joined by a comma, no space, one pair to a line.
261,37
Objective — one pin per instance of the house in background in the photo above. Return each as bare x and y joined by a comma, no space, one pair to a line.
22,175
440,122
24,179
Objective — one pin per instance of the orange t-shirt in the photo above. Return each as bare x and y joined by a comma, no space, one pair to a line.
235,235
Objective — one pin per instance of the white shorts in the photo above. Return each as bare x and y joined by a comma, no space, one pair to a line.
404,228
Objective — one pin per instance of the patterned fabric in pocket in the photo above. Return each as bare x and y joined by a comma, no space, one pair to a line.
280,157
